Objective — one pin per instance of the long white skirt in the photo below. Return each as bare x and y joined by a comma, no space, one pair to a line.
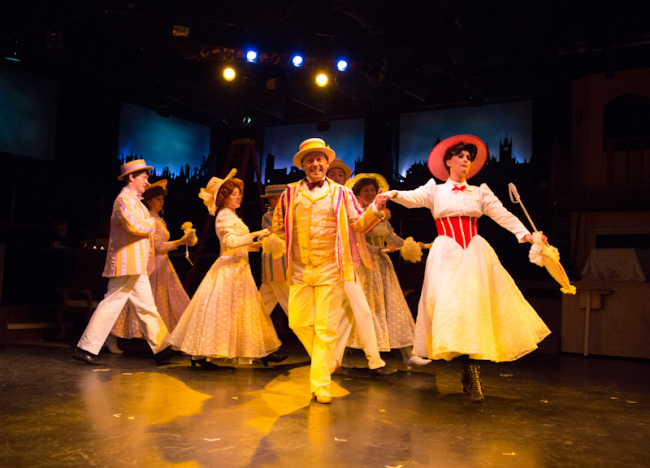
470,305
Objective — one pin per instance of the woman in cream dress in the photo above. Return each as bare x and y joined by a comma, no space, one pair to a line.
394,325
470,307
226,317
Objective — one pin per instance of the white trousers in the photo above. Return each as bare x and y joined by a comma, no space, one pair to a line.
357,310
135,289
273,292
315,298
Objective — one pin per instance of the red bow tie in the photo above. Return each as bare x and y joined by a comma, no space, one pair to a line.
460,188
311,185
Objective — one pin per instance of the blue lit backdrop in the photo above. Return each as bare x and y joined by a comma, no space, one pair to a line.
345,137
418,131
162,142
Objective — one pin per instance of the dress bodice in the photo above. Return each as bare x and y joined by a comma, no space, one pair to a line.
233,234
380,235
452,200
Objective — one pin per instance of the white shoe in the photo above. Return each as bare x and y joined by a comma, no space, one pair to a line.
417,360
111,344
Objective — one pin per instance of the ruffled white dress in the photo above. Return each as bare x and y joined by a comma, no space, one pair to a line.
168,292
226,317
394,324
470,304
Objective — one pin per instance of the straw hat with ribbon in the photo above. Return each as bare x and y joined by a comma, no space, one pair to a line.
159,183
133,166
209,193
339,164
313,145
381,181
437,165
274,190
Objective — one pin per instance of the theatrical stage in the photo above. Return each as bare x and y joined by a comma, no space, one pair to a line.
541,411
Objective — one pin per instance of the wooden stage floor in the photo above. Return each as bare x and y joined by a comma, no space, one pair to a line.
542,411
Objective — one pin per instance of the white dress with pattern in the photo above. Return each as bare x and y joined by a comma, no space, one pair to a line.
394,324
469,303
226,317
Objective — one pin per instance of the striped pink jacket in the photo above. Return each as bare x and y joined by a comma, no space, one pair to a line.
348,215
130,246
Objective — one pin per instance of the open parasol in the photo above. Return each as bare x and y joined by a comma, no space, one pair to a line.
543,254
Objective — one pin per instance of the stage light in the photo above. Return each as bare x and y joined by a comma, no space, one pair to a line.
228,54
342,65
322,79
251,55
180,31
229,74
297,60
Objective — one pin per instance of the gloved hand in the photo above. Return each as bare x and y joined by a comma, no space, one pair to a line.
260,234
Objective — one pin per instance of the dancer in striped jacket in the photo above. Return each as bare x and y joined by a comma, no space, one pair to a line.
129,262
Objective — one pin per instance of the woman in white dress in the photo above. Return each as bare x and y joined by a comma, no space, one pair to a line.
470,307
168,292
226,317
394,325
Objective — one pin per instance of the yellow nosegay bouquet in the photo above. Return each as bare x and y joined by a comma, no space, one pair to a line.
274,246
190,237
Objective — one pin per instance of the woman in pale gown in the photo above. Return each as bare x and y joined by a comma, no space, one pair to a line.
394,325
470,307
168,292
226,317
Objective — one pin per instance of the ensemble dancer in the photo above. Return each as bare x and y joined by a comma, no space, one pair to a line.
314,216
274,288
168,292
129,261
226,317
356,306
470,307
394,324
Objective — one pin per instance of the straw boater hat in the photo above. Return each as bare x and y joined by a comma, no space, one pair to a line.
274,190
381,181
209,193
133,166
338,164
159,183
437,166
313,145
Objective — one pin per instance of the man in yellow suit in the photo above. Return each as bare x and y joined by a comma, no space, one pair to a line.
129,261
314,216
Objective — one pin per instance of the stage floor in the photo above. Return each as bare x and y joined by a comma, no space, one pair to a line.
542,411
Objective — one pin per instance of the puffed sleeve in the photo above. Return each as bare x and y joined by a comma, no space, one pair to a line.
161,238
129,215
493,207
421,197
230,231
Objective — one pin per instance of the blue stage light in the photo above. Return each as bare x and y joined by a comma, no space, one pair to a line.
297,60
251,56
342,65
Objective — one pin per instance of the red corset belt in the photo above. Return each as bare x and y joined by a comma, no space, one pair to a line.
460,228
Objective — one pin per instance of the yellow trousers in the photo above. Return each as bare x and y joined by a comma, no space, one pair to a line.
315,299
